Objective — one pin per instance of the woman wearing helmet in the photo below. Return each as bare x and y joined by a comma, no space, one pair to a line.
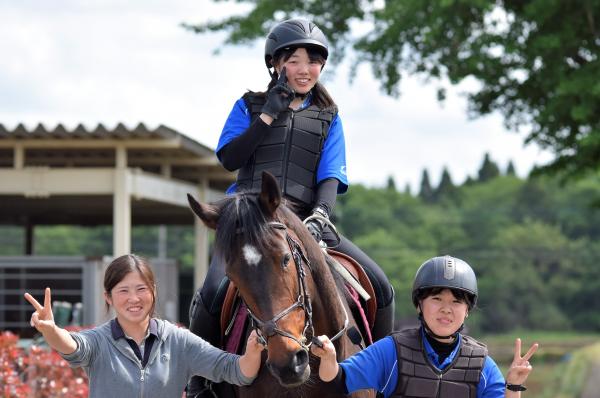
292,130
434,360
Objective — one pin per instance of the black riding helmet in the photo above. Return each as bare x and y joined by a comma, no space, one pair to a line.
294,33
446,272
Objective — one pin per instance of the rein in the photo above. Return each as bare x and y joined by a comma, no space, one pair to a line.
266,329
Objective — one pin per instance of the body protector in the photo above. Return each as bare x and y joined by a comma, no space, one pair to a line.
417,377
290,151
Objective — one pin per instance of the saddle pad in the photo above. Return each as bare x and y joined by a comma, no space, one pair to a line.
360,275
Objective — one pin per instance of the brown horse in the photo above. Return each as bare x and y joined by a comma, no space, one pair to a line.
290,291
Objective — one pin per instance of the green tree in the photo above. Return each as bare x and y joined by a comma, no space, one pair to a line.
426,193
510,169
446,188
391,184
536,62
488,170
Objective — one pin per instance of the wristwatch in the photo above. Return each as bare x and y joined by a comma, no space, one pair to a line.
515,387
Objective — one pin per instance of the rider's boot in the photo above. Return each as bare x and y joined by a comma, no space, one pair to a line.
384,320
205,322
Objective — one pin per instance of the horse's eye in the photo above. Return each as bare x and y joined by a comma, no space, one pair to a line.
286,260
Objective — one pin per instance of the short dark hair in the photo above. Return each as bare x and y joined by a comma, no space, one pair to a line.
458,294
118,269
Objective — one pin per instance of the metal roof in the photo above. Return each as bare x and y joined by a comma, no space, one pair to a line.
119,133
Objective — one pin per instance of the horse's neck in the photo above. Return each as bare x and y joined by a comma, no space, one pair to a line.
330,303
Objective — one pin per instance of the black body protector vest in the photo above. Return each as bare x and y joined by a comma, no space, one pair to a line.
290,151
417,377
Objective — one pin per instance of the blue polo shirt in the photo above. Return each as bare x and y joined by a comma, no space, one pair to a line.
333,155
376,367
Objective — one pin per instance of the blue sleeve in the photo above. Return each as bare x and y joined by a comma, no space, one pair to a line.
374,367
491,384
333,156
237,122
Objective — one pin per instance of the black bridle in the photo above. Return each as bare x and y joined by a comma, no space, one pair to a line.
266,329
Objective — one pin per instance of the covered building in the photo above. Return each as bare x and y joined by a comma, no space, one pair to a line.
119,177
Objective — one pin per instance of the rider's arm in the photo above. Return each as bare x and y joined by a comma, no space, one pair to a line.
332,163
326,195
237,152
240,137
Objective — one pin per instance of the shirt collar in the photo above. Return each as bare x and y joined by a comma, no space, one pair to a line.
307,101
433,356
118,332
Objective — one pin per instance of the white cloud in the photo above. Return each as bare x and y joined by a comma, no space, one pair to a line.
107,62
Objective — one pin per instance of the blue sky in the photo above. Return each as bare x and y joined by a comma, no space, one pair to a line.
108,61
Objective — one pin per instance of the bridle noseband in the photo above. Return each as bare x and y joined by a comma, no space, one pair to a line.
266,329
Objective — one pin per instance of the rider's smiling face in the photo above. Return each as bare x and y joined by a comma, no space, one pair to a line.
443,312
302,70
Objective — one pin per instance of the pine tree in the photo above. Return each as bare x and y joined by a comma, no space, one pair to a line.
489,169
391,184
446,189
510,169
426,193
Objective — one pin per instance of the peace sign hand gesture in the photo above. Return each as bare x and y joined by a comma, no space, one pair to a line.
520,367
43,318
279,97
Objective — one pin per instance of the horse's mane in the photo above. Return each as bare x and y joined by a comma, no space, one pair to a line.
241,216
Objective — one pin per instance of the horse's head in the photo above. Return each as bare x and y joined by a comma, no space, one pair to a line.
263,258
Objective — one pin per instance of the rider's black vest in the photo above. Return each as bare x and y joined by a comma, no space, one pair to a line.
417,377
290,151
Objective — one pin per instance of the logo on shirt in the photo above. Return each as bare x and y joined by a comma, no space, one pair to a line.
343,170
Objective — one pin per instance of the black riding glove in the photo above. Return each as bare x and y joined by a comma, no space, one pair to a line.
316,229
315,226
279,97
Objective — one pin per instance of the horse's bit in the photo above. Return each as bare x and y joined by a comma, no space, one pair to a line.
267,329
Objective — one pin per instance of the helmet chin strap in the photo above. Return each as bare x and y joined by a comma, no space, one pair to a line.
430,332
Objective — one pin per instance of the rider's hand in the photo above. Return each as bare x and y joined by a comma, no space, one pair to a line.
43,318
520,367
315,228
279,97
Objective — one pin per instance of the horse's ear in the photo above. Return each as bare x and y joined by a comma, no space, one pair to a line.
270,194
207,213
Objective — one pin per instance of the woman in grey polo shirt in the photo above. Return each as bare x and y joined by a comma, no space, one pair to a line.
135,354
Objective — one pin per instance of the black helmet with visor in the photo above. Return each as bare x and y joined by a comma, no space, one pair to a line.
294,33
445,272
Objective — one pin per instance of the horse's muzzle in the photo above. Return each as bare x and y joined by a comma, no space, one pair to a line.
293,373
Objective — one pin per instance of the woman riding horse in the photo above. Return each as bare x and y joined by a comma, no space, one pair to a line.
294,131
290,292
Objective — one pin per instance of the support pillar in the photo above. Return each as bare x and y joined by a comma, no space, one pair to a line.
201,247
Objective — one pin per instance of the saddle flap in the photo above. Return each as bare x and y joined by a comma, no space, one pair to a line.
361,276
228,311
